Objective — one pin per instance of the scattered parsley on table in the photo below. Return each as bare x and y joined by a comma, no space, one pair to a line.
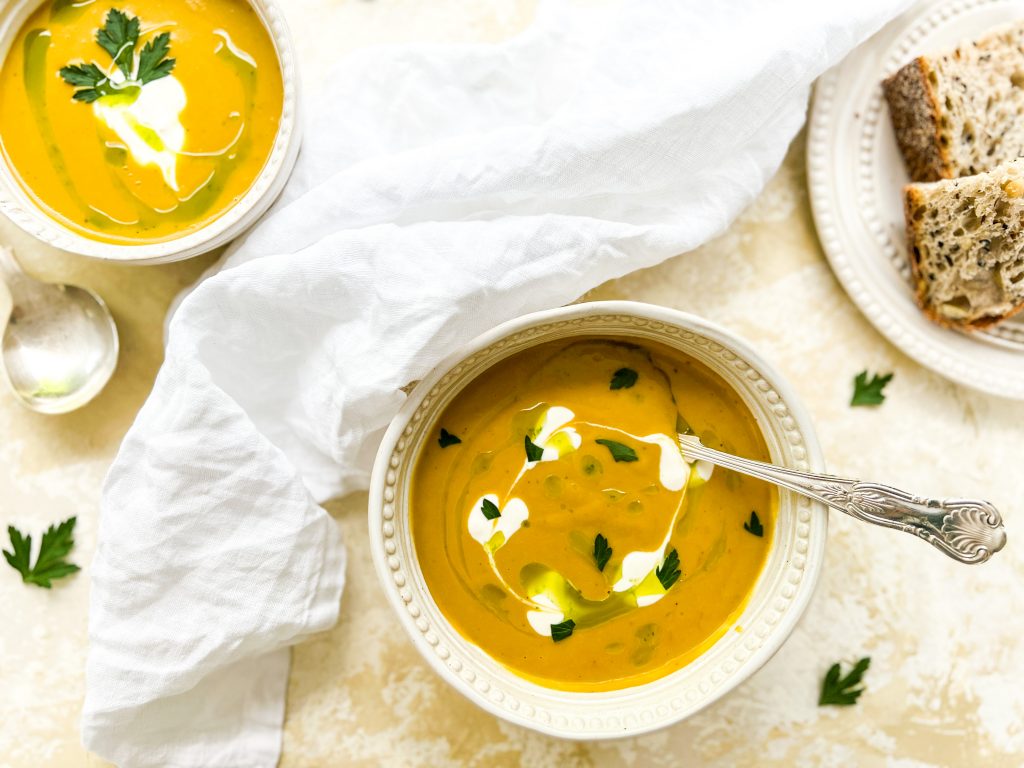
869,391
843,691
53,549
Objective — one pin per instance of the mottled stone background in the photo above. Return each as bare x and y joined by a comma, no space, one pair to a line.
945,685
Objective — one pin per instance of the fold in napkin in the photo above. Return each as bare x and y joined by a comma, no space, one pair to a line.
440,190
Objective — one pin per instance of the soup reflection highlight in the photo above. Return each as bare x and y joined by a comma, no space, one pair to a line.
560,529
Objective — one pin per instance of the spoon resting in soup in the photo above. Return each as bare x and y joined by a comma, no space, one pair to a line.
560,529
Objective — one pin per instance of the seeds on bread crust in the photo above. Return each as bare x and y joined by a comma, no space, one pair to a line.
961,112
914,113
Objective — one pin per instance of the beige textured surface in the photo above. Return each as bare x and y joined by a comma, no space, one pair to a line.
944,687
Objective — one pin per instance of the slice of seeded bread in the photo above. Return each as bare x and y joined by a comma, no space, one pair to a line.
961,112
966,240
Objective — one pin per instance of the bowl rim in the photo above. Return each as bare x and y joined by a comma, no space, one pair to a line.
20,207
384,470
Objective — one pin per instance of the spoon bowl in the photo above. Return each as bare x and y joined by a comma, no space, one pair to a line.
60,344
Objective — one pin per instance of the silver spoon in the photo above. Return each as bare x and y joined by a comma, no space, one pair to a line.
60,343
968,530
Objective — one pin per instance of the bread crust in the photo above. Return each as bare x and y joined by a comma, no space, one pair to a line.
958,118
913,198
914,108
961,111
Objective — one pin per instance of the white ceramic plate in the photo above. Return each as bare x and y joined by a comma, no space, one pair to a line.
779,598
20,208
856,176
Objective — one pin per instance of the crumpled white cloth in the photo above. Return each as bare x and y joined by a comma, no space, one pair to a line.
440,190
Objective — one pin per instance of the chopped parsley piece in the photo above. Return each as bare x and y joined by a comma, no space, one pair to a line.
561,631
842,691
50,563
754,526
490,509
869,391
533,451
619,451
668,573
624,378
447,438
602,552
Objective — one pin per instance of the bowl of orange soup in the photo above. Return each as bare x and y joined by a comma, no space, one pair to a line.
552,553
144,130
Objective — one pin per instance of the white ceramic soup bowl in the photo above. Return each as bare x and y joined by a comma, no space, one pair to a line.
19,207
780,596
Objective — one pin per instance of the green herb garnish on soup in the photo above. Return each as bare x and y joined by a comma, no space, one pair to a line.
557,537
139,123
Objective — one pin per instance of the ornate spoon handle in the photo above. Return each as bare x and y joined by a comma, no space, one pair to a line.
968,530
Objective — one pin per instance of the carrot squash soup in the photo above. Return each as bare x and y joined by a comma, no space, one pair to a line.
139,121
560,529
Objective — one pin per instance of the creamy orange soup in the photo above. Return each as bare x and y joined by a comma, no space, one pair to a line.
560,529
139,121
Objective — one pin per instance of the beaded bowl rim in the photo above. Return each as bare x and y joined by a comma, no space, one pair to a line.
18,205
780,597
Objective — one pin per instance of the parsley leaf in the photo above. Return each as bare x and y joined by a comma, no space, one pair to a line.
561,631
869,391
490,509
841,692
118,37
88,78
152,64
668,573
619,451
447,438
50,564
19,557
533,451
754,526
602,552
624,378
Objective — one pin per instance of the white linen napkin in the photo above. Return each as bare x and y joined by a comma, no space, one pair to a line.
440,190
